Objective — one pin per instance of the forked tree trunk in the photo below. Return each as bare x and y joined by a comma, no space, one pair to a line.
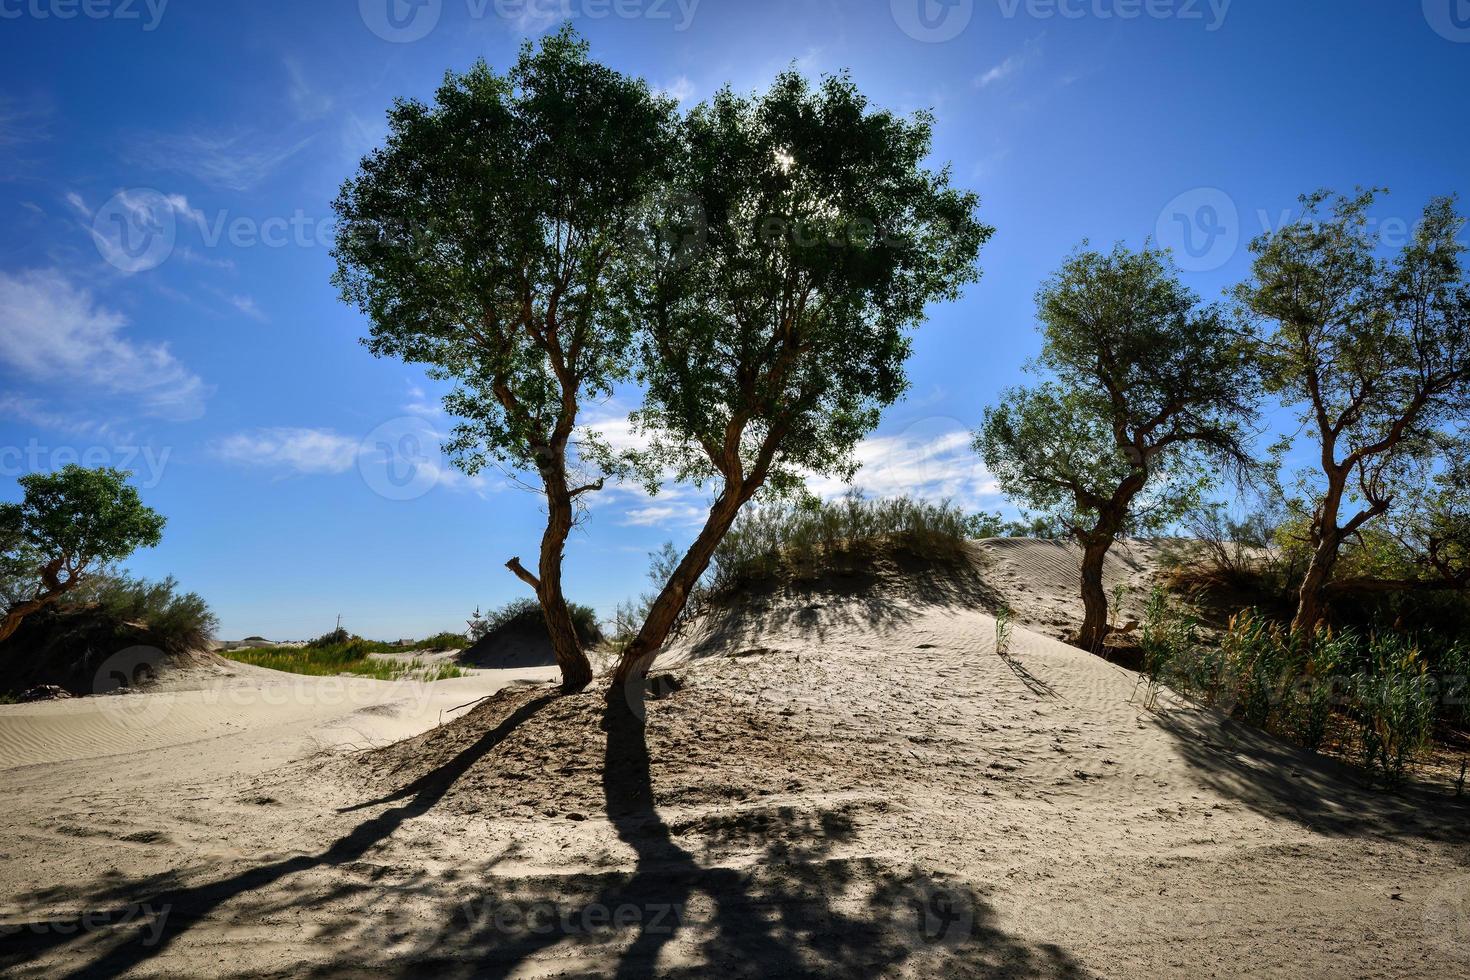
576,669
664,613
1094,596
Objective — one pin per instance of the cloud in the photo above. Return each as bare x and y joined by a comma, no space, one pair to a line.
297,450
1003,70
932,459
247,306
1010,66
308,101
681,89
52,331
232,161
302,451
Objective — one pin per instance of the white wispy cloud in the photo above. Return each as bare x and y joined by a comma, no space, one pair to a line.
294,450
53,331
1003,70
681,89
247,306
309,101
235,161
303,451
932,459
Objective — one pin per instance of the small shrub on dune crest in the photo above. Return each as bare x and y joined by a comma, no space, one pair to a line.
178,620
781,536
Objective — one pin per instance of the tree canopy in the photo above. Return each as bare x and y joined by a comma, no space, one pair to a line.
487,239
1374,351
1145,395
67,525
809,237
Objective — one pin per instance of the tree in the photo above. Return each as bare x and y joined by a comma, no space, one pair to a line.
485,241
67,525
1148,396
804,237
1375,352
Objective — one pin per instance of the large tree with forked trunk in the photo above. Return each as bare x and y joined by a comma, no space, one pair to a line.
488,240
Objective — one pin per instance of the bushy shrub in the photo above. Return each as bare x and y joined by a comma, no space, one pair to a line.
804,535
1269,677
525,611
178,620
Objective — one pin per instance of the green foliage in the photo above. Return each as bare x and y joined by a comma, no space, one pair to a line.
806,535
988,524
179,620
521,612
1292,684
353,657
1168,640
442,642
69,523
776,326
485,241
1004,627
1146,397
1374,351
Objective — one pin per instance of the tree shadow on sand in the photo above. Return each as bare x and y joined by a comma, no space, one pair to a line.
793,908
1285,782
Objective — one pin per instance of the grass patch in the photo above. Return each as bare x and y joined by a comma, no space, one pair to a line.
353,657
1375,685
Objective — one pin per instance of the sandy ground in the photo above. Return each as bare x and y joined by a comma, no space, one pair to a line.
845,781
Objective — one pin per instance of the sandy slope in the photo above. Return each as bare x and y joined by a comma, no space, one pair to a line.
849,781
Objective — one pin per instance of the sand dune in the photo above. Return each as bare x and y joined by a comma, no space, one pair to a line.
844,781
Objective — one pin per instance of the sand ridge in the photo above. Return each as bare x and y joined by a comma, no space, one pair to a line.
843,781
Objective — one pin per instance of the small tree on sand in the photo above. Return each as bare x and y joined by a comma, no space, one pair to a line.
486,240
1148,397
1375,352
68,524
812,236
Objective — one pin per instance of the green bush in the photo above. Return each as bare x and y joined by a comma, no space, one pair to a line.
1268,677
354,657
178,620
806,534
525,611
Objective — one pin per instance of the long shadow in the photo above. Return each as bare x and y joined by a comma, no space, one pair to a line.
793,915
187,906
1286,782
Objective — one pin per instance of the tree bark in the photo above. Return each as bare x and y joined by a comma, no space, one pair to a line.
1309,605
18,612
640,653
576,669
1094,596
1326,539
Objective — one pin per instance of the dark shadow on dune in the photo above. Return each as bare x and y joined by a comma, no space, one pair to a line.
798,912
189,905
1286,782
796,909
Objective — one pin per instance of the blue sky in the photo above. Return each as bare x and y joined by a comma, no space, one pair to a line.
213,358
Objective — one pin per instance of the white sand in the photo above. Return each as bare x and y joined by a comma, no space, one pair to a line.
835,763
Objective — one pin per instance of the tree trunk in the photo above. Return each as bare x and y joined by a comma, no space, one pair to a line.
664,612
576,669
1094,596
1327,538
18,612
1309,606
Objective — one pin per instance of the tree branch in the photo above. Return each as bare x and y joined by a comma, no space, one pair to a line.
519,571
